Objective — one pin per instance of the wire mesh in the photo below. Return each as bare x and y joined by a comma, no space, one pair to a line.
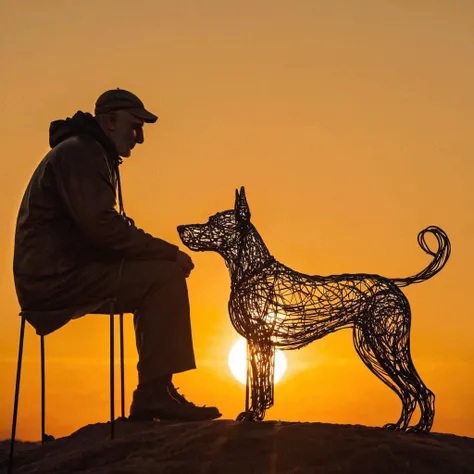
273,306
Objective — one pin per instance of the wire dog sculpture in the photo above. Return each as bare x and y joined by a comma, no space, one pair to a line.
273,306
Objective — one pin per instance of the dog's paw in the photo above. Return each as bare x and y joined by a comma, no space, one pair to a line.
246,416
391,427
416,430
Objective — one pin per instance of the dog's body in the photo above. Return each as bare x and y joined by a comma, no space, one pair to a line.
327,304
272,306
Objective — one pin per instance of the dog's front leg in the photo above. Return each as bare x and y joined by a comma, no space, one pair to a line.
260,380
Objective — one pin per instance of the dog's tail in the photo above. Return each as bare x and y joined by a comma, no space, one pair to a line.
440,257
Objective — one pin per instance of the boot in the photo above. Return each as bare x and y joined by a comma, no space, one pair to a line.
166,403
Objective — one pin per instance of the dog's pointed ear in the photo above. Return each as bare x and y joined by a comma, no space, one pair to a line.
236,204
242,210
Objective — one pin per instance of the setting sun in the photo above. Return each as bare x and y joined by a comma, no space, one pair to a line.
238,362
348,123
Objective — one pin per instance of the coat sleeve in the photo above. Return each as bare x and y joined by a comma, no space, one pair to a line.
83,183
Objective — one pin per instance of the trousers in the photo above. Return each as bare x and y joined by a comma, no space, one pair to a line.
155,291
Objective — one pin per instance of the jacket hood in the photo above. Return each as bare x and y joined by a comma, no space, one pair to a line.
81,123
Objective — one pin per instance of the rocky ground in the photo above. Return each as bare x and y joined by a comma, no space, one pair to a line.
227,447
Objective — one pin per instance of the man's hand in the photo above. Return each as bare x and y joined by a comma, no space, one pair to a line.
185,262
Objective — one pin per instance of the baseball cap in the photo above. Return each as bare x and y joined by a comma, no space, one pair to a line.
120,99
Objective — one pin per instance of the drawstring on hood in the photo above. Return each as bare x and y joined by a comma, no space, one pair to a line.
83,123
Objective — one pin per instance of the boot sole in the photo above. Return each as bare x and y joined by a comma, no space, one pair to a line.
150,415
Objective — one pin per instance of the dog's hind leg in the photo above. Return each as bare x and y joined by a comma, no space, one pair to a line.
386,371
413,385
423,395
394,341
382,339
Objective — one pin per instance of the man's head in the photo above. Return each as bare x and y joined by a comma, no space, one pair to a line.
121,116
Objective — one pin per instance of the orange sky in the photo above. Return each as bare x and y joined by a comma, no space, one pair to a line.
349,122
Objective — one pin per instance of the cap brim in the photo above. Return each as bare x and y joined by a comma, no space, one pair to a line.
143,114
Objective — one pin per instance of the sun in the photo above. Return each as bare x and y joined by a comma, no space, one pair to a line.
238,361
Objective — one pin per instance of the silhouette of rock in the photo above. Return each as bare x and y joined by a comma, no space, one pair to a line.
229,447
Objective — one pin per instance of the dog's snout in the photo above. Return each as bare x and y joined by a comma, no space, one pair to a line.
185,233
188,234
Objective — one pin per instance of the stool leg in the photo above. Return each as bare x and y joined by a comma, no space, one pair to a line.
44,437
122,368
112,381
17,395
43,434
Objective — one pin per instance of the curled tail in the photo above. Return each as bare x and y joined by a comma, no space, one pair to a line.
440,257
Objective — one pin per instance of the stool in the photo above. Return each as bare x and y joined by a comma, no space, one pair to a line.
45,437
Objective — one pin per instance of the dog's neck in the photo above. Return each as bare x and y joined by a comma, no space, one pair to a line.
247,257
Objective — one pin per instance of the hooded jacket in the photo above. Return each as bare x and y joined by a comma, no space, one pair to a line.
69,233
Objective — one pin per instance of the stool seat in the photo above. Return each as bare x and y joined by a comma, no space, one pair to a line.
47,321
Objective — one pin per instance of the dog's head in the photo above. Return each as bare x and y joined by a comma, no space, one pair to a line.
221,232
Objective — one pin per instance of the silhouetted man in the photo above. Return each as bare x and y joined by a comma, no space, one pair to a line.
74,252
